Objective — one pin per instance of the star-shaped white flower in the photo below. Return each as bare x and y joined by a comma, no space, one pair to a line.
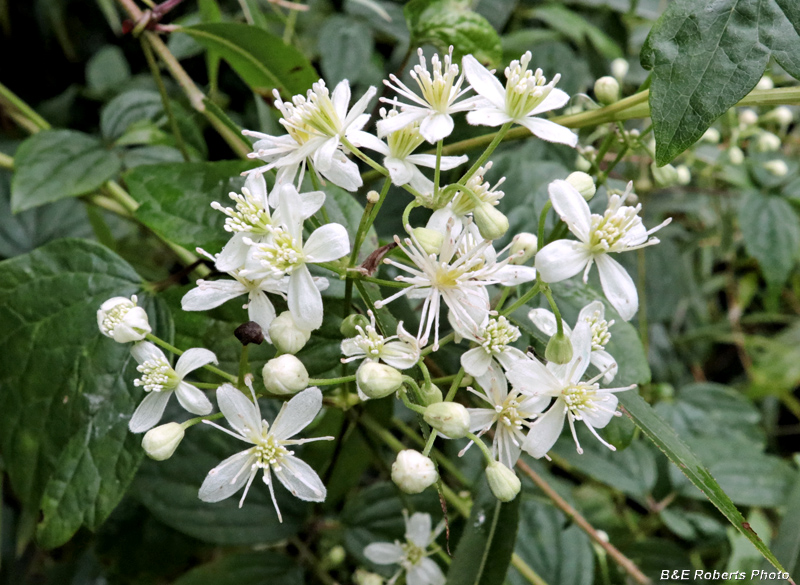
270,451
594,315
412,555
525,95
494,350
160,381
575,399
400,351
619,229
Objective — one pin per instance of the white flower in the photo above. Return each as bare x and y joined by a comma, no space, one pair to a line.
316,125
438,100
594,315
269,451
284,253
619,229
371,345
525,95
459,275
412,555
122,320
574,398
493,339
160,380
510,413
398,158
462,204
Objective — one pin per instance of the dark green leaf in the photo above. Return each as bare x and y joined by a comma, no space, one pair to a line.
487,543
107,71
128,108
705,57
576,28
787,543
260,58
345,45
250,568
56,164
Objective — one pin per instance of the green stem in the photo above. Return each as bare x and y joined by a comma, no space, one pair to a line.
6,161
244,368
379,168
10,99
176,351
482,446
410,405
503,297
601,153
454,386
330,381
542,220
288,30
382,282
559,321
498,138
535,290
193,421
437,170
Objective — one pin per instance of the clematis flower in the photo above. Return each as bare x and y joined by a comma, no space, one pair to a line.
400,351
160,381
412,555
594,315
269,451
315,124
398,158
284,253
123,320
493,350
433,109
525,95
619,229
575,399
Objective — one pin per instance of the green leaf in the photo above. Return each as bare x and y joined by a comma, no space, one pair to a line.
787,543
705,57
451,22
343,209
63,427
260,58
175,200
576,28
679,453
487,543
771,233
345,45
128,108
56,164
107,71
248,568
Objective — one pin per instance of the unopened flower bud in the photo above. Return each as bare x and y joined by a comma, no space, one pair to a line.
431,394
362,577
582,164
449,418
523,247
286,335
684,175
429,240
781,115
285,375
559,349
767,142
349,324
504,483
748,117
619,68
491,222
335,556
735,155
765,83
160,442
606,90
413,472
665,176
378,380
777,167
583,183
373,196
711,135
120,319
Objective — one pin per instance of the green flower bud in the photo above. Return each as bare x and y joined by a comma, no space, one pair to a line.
606,90
491,222
430,240
665,176
777,167
768,142
362,577
559,349
684,175
619,68
504,483
286,335
781,115
523,247
413,472
748,117
583,183
285,375
378,380
582,163
160,442
735,155
449,418
348,326
431,394
765,83
711,135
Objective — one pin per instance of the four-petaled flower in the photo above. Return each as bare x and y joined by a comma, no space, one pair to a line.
400,351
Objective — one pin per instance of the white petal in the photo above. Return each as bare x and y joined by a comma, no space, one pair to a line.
561,259
343,173
426,572
544,321
531,377
487,117
512,274
555,99
257,185
144,351
227,478
192,359
298,477
571,208
296,414
261,310
340,97
600,418
545,431
483,81
305,300
367,140
400,171
439,218
323,157
351,348
149,412
507,451
384,553
355,117
291,211
550,131
327,243
589,310
605,362
211,293
311,203
418,529
399,354
239,411
233,254
618,286
509,356
401,120
193,399
476,361
436,126
429,160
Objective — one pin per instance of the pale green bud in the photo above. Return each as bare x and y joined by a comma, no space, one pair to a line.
349,324
429,240
285,375
431,394
583,183
606,90
160,442
765,83
767,142
559,349
684,175
362,577
782,115
711,135
491,222
748,117
449,418
523,247
665,176
335,556
777,167
619,68
735,155
582,164
378,380
413,472
286,335
504,483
